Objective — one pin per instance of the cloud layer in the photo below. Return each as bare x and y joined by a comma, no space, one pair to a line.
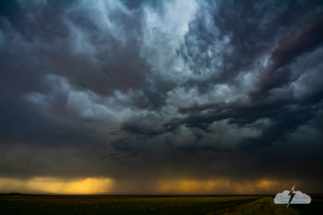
143,91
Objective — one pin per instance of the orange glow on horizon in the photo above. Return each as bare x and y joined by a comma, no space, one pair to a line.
220,186
50,185
90,186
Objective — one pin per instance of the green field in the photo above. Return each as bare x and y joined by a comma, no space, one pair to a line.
36,204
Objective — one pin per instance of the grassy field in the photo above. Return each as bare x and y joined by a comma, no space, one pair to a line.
263,206
315,208
34,204
21,204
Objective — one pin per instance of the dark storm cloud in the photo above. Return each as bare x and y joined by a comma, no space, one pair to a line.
309,38
148,90
288,49
75,41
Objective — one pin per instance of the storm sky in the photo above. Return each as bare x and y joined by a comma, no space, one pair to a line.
161,97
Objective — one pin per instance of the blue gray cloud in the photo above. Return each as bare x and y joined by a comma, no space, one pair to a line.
159,89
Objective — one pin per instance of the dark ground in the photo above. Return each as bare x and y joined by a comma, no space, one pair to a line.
315,208
16,204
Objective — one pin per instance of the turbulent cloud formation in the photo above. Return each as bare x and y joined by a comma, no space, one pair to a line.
143,93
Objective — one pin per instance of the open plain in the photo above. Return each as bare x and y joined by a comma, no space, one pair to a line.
167,205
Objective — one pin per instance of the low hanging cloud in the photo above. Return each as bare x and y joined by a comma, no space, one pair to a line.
140,92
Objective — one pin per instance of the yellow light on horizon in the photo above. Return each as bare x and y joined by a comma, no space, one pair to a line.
49,185
88,186
219,186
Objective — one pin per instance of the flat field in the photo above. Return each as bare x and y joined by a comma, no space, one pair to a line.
119,205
